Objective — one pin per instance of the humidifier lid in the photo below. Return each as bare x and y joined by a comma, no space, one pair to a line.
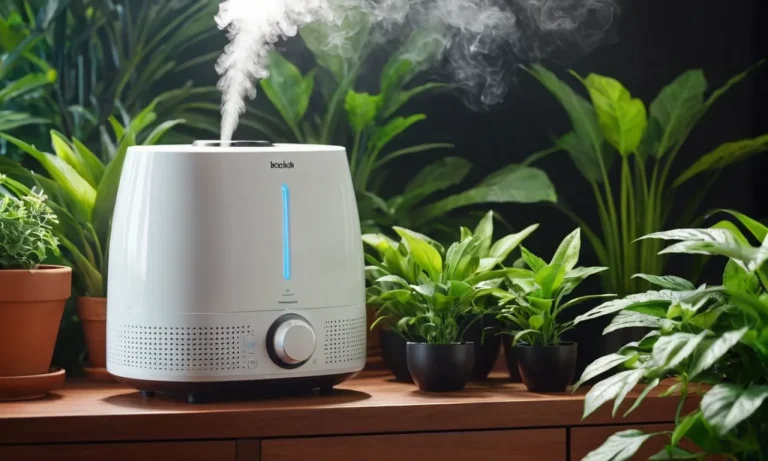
213,146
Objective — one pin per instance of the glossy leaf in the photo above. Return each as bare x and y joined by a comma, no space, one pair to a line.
439,175
620,446
629,319
392,129
653,298
677,108
505,245
287,89
622,118
600,366
611,388
670,351
673,453
669,282
716,349
533,261
425,255
362,109
567,253
726,405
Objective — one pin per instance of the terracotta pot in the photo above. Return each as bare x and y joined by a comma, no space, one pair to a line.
93,315
31,306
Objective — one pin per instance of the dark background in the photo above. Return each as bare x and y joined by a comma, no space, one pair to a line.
653,42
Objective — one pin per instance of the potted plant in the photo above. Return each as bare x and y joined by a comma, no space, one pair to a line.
83,188
535,297
482,258
32,295
717,335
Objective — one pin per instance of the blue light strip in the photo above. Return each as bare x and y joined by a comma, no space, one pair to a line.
286,233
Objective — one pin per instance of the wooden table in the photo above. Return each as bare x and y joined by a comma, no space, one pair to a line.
368,419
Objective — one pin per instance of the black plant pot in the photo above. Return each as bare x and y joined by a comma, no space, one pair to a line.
393,351
546,368
486,348
514,373
441,367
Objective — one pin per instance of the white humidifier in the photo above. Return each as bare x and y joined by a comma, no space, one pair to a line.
235,268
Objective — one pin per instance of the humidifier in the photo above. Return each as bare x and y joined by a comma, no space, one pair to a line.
235,267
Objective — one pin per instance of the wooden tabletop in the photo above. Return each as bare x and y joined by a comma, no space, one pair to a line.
84,411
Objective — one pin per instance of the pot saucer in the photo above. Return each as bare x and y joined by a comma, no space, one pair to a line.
99,375
30,387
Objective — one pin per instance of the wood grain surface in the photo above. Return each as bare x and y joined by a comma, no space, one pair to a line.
91,412
512,445
176,451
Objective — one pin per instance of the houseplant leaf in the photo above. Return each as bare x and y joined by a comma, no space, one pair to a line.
392,129
669,282
724,155
610,388
287,89
362,109
622,118
600,366
726,405
677,107
439,175
715,349
425,255
107,191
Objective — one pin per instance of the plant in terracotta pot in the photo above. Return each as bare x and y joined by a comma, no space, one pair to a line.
535,297
412,260
83,188
32,295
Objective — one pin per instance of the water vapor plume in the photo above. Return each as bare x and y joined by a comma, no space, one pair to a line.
476,42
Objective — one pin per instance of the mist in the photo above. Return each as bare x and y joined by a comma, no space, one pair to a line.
477,44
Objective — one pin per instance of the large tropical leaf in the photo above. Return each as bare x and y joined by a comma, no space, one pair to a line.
287,89
439,175
516,184
714,349
107,191
621,446
613,387
362,109
669,282
727,404
677,108
724,155
600,366
660,299
622,118
425,255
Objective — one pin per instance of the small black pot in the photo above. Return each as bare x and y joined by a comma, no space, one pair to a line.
486,348
514,373
546,368
441,367
393,351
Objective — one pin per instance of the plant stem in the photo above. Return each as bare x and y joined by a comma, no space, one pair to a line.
610,245
333,107
626,184
353,158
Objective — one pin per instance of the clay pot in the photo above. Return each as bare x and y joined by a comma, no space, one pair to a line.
31,306
93,315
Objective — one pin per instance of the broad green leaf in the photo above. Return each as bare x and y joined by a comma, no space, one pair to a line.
724,155
629,319
106,196
511,272
650,298
669,282
567,252
716,349
713,242
81,194
502,247
513,184
578,300
439,175
484,233
24,85
677,108
622,118
160,130
757,229
65,151
338,47
536,321
621,446
531,260
726,405
733,81
600,366
287,89
411,150
670,351
414,56
92,278
611,388
425,255
549,278
648,388
461,260
362,109
398,100
585,159
391,130
92,160
737,279
581,273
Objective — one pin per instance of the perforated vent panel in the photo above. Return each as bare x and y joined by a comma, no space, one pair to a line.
178,348
344,340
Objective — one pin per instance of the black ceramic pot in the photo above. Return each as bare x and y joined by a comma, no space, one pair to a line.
509,356
546,368
486,348
393,351
441,367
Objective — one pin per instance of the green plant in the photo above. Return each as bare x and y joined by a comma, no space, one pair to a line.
75,63
369,125
26,235
423,291
536,296
82,191
715,335
617,127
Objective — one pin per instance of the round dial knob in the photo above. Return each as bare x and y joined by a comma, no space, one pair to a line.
290,341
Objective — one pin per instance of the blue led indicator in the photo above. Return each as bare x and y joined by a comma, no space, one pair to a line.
286,233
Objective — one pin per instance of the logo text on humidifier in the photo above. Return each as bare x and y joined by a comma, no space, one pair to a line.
283,164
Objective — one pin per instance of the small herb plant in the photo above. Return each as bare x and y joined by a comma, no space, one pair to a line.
717,335
26,236
427,293
538,294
